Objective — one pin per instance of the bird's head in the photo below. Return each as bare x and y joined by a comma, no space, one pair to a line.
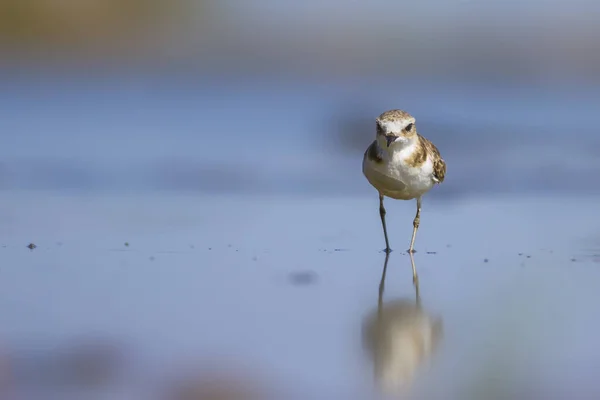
395,127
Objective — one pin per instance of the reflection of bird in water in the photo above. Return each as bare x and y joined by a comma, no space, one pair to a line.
399,336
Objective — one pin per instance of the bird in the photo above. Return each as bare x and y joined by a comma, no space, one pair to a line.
401,164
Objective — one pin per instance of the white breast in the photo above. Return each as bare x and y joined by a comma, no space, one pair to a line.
396,179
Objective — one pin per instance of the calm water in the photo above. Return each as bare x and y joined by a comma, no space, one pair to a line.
205,277
195,222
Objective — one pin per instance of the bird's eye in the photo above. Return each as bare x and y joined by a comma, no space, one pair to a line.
409,127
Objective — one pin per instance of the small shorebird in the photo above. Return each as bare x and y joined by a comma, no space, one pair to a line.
401,164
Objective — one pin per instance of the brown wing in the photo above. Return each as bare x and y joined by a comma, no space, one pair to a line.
439,169
439,165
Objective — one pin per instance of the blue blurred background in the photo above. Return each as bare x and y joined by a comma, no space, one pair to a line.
232,96
151,149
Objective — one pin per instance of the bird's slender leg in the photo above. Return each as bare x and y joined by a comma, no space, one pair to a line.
415,276
416,222
382,214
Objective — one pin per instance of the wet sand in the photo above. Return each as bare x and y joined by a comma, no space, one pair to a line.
285,284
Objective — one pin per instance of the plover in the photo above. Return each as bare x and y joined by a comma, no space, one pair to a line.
401,164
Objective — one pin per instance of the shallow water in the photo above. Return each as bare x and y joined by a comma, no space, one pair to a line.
205,278
181,226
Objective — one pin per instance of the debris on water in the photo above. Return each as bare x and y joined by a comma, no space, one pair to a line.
210,248
254,258
152,258
573,260
432,252
528,256
126,244
485,260
303,277
31,246
331,251
520,254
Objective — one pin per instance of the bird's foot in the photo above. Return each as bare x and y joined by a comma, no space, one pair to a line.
387,250
409,251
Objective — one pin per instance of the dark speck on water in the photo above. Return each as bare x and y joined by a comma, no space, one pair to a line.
31,246
432,252
126,244
303,277
485,260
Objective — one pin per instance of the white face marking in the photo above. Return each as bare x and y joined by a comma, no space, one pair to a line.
395,127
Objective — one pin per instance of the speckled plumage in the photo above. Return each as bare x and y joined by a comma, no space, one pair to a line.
394,115
427,149
424,149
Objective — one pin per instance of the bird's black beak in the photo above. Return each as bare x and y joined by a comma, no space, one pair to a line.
390,139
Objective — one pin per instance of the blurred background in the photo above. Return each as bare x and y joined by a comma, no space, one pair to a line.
139,94
277,98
